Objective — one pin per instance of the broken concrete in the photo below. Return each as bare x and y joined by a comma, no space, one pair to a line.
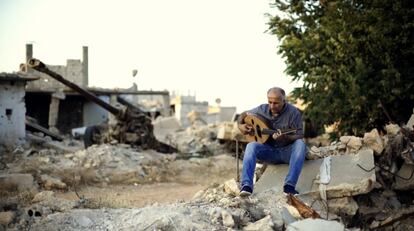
315,225
342,182
407,183
374,141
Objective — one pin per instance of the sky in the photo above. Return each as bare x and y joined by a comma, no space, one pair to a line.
211,48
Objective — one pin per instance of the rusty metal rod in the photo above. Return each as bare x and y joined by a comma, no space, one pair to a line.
41,67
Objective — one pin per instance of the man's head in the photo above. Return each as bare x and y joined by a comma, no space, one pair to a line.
276,99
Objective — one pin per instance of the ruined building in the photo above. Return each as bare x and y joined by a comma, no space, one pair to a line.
12,109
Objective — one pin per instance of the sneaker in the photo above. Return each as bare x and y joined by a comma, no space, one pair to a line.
288,189
246,191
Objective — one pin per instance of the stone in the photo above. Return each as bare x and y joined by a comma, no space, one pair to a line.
17,182
345,205
264,224
227,218
410,122
314,153
374,141
52,182
6,217
310,224
231,187
347,179
392,129
44,195
84,221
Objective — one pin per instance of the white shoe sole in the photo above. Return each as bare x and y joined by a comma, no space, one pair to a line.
245,193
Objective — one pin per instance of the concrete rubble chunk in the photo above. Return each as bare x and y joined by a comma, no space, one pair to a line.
227,218
231,187
353,143
406,172
264,224
374,141
43,195
392,129
164,126
347,179
315,225
52,182
410,122
345,205
6,217
19,182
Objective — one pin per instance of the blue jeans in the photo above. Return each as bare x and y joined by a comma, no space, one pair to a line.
293,154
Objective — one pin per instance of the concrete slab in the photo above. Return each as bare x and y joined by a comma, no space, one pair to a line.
315,225
347,179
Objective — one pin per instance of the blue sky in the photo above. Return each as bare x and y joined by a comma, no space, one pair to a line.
213,49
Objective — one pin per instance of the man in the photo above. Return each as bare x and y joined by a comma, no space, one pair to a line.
280,148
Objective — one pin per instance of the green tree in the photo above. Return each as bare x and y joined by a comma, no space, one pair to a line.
355,59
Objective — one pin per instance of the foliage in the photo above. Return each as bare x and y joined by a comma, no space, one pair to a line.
355,59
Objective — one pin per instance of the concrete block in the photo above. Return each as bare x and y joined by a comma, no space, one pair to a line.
406,171
315,225
347,179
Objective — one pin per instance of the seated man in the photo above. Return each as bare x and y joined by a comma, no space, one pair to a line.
279,148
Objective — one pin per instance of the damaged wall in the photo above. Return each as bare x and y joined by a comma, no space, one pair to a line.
12,112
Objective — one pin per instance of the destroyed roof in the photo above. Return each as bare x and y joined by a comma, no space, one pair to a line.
15,77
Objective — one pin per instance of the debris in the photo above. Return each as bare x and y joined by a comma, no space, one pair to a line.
315,225
304,210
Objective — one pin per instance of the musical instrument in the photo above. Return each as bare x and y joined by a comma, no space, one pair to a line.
261,131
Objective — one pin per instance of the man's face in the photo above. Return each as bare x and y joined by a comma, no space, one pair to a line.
276,102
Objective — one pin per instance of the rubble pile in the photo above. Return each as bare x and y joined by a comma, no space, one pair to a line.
370,187
198,140
390,201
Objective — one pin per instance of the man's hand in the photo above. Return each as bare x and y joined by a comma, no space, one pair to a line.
277,135
245,128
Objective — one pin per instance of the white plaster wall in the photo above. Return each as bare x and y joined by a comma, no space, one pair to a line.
12,128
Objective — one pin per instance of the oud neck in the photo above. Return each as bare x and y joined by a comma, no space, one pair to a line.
267,131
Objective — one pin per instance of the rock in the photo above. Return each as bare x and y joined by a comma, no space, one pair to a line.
52,182
6,217
353,143
346,205
374,141
84,221
44,195
227,218
314,153
410,122
17,182
392,129
264,224
310,224
231,187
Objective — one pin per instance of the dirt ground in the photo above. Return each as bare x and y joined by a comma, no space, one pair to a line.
135,196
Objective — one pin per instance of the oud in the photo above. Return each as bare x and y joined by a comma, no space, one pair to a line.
260,129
